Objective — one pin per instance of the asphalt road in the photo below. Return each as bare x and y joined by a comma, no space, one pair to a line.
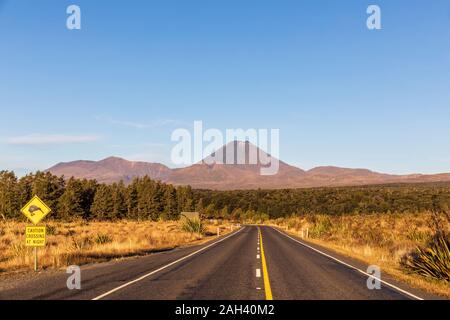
238,266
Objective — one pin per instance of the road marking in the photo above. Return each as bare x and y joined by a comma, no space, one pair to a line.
258,273
164,267
350,266
267,288
257,256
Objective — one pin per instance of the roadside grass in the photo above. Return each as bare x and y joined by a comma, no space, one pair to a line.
194,226
403,245
82,242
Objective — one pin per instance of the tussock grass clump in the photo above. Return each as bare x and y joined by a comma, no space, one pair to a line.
432,261
193,226
51,230
418,236
18,249
102,239
80,244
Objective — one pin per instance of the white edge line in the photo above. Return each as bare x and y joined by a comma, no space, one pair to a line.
164,267
352,267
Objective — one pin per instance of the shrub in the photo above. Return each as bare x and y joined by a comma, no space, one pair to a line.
18,250
418,236
193,226
432,261
102,239
81,244
51,230
321,227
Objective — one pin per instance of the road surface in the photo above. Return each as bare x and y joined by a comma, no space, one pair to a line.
252,263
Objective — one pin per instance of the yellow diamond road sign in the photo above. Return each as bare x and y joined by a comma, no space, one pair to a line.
35,210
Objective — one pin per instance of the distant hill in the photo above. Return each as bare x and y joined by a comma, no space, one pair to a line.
233,176
110,170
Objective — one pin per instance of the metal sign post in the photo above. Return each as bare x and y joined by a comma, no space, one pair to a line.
35,259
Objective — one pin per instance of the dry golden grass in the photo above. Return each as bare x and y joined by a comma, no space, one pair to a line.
377,239
83,242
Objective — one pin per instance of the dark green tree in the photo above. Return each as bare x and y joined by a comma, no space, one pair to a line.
9,204
170,211
70,204
119,195
103,203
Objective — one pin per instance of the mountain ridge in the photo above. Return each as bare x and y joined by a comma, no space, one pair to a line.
222,176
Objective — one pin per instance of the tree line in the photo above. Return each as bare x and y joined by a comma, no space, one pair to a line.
334,201
146,199
143,199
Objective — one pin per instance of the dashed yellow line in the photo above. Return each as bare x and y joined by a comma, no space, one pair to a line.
267,288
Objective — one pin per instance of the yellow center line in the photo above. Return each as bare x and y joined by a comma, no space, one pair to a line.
267,288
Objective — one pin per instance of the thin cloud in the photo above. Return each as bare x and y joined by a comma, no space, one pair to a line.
46,139
145,125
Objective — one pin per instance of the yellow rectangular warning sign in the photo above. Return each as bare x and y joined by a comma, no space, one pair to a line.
35,236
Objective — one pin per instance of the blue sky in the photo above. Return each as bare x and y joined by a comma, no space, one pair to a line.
339,93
